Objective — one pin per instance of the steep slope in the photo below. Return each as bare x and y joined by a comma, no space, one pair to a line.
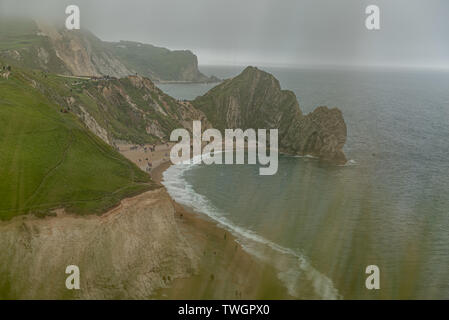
50,160
254,99
130,109
159,64
22,43
80,53
126,254
51,165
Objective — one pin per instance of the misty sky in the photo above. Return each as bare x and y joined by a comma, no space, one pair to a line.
268,32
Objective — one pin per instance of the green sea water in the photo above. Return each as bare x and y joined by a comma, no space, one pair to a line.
321,225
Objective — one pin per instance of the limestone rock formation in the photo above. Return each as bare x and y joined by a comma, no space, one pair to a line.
254,99
131,109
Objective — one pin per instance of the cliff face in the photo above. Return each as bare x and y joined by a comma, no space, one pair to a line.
158,64
254,99
130,109
80,53
321,133
127,253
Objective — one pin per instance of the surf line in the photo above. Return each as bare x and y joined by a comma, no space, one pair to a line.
234,139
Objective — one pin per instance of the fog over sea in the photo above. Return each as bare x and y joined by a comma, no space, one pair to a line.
321,225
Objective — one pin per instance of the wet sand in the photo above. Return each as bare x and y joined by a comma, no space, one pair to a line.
226,270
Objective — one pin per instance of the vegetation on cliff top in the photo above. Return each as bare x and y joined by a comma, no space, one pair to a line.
49,159
79,52
158,63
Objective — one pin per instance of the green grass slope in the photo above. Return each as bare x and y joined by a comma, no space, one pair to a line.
20,43
17,34
49,160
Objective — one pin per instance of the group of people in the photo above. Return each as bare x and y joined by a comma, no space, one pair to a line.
146,149
151,148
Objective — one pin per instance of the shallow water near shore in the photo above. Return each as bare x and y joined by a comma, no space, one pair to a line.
321,225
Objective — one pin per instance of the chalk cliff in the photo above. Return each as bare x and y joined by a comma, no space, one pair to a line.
127,253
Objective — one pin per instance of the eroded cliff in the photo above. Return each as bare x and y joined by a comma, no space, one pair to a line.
127,253
254,99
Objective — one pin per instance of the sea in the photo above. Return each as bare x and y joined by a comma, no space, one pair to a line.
321,225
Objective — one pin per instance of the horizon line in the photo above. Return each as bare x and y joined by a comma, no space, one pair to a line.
327,66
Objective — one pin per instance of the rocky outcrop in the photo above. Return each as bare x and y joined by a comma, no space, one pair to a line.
93,126
321,133
254,99
131,109
127,253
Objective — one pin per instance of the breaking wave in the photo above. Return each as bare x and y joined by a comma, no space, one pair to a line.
293,268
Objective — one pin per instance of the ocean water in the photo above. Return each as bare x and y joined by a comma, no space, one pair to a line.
321,225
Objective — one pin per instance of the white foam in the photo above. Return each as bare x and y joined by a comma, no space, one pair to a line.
349,163
307,156
182,192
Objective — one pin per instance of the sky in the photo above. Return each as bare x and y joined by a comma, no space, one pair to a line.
268,32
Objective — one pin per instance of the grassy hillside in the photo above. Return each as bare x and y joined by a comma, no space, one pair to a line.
49,160
21,36
129,109
253,99
119,106
158,63
20,43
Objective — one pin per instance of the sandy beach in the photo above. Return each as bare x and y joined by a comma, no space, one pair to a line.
226,270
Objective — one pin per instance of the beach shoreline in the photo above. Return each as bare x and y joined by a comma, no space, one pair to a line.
225,270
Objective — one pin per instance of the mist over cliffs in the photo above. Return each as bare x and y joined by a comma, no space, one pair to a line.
38,45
